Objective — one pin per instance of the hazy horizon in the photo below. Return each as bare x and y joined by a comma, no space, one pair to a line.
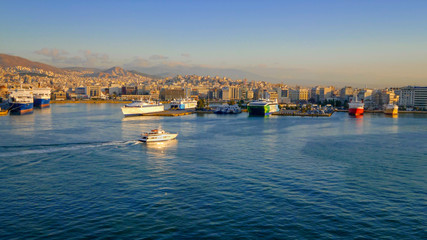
357,43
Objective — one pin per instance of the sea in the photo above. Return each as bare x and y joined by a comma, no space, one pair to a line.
77,171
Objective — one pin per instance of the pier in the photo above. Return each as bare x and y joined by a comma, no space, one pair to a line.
301,114
171,113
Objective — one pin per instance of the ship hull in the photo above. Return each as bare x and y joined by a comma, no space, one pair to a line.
139,111
184,105
41,103
162,138
262,110
355,111
21,108
392,110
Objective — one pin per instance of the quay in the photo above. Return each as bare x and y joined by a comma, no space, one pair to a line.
88,101
171,113
301,114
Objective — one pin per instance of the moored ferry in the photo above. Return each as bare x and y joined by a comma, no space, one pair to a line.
183,104
21,101
41,97
228,109
262,107
142,107
391,109
356,108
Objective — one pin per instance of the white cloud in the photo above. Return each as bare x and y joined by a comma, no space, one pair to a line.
85,58
54,54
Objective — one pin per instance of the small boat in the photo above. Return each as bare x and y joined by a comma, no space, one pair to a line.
391,109
3,112
157,135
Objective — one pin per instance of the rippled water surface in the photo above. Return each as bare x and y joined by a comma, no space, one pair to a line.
77,171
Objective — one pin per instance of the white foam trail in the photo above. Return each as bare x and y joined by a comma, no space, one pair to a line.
67,148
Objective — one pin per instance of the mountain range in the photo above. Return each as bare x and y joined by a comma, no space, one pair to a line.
13,61
157,72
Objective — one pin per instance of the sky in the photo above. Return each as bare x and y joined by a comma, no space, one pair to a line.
359,43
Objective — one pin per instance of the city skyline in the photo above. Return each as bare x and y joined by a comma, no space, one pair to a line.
378,43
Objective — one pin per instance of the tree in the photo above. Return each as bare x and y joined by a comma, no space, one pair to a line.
201,104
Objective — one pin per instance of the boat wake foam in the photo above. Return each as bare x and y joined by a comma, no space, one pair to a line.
11,151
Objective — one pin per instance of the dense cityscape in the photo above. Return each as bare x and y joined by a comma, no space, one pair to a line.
213,119
119,84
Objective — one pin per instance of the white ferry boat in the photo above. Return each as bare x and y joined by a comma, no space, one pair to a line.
228,109
142,107
157,135
183,104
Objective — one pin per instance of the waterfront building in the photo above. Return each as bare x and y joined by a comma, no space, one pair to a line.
250,95
225,94
235,93
346,93
412,96
59,95
129,90
325,93
171,93
298,95
94,91
315,94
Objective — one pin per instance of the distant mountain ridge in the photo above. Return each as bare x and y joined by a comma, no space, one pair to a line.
13,61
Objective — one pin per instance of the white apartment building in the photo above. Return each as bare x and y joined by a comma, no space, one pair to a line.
411,96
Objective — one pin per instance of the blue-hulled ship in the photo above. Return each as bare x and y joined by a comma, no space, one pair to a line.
21,101
41,97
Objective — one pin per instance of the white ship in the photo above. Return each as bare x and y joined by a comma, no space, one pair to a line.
228,109
157,135
183,104
142,107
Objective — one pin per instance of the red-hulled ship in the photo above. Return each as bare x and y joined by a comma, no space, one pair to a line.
356,108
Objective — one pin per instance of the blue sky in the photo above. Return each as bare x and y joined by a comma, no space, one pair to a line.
329,42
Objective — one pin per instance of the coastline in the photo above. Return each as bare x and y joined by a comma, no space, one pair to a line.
381,111
88,101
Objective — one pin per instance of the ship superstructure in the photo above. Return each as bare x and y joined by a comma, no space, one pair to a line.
142,107
41,97
262,107
21,101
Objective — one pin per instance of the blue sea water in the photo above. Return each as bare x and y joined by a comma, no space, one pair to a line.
77,171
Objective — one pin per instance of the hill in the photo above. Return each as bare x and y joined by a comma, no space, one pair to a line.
14,61
82,69
111,73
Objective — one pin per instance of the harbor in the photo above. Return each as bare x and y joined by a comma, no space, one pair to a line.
246,167
301,114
